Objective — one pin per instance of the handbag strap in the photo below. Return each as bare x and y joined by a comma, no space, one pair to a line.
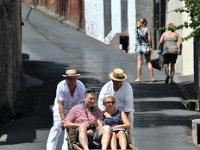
138,36
86,111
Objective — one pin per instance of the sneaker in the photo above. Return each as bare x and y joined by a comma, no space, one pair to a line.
167,79
172,82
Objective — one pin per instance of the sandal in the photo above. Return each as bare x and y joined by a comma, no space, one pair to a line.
137,81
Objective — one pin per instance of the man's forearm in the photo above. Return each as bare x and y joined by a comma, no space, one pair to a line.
62,112
68,124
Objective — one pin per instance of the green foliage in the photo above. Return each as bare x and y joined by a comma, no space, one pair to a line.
192,7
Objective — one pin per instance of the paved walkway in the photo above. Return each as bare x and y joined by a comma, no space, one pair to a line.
160,120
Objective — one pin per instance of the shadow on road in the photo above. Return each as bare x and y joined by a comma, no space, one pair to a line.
35,101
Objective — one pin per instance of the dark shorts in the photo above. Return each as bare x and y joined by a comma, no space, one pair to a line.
96,137
140,53
170,58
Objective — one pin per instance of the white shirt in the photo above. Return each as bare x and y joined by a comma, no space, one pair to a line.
124,96
63,93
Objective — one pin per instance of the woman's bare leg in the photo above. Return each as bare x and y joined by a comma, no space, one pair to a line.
121,135
139,68
113,142
150,67
172,72
166,69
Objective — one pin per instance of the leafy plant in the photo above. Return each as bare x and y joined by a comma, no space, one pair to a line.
192,7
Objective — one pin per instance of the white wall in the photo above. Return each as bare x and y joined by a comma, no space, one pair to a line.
184,63
131,25
116,16
116,20
94,19
188,52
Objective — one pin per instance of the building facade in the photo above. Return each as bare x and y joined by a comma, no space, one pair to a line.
113,21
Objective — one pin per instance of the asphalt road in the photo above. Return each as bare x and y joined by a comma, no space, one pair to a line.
161,122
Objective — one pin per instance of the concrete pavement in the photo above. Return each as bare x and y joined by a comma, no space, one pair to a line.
161,121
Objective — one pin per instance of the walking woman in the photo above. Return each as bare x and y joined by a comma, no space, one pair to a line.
143,37
171,44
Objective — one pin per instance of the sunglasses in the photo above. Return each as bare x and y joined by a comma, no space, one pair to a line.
112,102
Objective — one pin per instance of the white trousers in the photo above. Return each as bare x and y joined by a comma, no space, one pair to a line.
55,133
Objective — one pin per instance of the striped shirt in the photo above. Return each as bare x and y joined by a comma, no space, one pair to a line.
78,114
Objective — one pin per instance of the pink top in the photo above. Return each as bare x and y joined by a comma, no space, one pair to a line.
78,114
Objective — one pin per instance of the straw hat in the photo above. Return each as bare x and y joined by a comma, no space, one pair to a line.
70,73
118,75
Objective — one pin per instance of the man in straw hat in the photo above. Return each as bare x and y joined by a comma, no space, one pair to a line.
120,89
69,92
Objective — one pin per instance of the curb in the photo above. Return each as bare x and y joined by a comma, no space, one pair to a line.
191,104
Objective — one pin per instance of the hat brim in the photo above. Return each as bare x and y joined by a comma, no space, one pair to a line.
65,75
117,79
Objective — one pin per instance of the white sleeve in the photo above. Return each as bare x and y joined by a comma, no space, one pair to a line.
82,90
59,92
100,99
128,98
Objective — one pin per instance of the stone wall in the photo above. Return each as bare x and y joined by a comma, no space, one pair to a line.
145,8
10,56
70,12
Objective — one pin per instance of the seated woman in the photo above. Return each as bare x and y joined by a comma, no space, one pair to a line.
118,121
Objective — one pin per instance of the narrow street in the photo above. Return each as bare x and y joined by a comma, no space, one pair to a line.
161,122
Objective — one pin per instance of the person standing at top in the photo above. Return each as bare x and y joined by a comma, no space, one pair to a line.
171,45
143,37
120,89
69,93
